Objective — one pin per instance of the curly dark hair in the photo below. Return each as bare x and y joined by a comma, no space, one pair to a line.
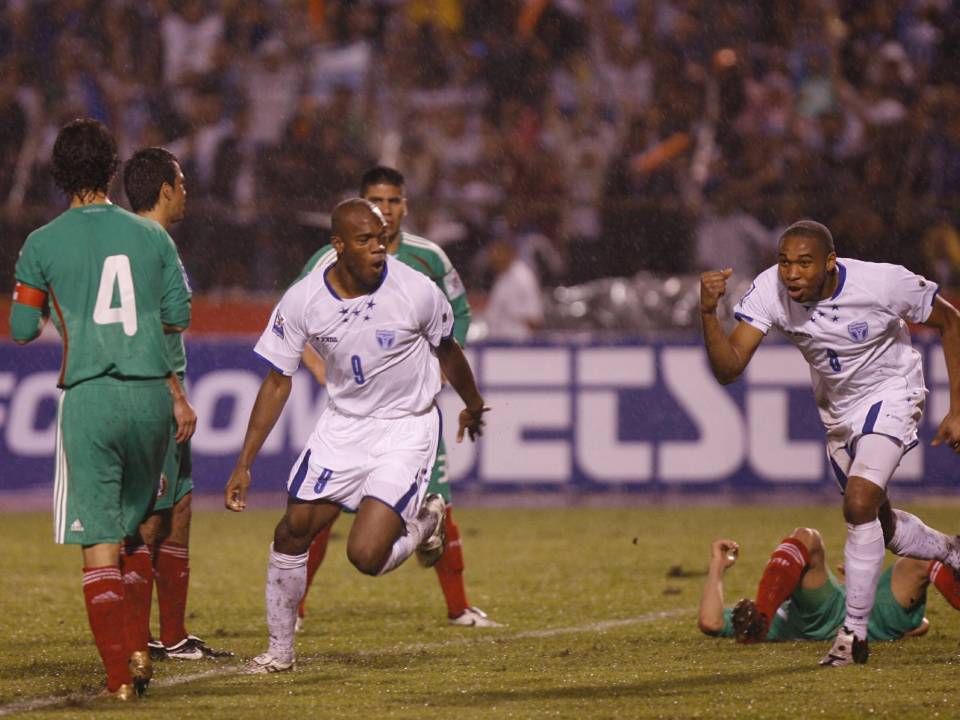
84,157
144,175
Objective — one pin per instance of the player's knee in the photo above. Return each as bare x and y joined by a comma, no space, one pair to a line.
810,538
858,510
366,558
291,538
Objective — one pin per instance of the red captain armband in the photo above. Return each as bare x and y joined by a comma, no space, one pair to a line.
29,296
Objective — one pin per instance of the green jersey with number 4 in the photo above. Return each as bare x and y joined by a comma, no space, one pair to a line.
428,258
113,280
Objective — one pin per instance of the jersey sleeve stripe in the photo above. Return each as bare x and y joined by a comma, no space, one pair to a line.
743,317
29,296
270,363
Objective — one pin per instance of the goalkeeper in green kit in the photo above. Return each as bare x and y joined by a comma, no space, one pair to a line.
115,286
384,187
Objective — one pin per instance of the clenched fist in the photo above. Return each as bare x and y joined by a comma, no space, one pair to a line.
713,286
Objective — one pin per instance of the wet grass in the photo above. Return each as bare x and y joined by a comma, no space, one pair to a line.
380,648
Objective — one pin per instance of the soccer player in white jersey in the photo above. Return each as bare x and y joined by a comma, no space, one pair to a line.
384,331
848,319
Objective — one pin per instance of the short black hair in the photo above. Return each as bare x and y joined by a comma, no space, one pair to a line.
812,229
84,157
381,174
145,173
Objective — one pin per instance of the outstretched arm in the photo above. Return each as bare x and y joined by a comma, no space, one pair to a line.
457,371
273,395
945,318
710,615
728,355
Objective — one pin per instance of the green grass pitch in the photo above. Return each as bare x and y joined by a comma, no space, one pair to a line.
597,627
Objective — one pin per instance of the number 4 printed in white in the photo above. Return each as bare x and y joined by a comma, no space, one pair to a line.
116,270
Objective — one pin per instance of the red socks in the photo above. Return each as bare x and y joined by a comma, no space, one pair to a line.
946,581
318,550
137,566
104,598
450,569
173,577
782,575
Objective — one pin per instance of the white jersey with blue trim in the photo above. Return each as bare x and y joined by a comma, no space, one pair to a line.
378,348
856,342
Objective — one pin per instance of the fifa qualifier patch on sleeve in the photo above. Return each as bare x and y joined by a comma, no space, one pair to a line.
453,284
278,325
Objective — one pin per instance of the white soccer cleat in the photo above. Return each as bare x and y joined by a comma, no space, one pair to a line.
430,548
266,663
299,626
847,649
474,617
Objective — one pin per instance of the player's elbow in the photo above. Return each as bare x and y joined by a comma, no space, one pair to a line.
726,376
710,626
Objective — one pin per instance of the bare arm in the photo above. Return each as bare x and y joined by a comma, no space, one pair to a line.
183,412
271,399
946,319
710,615
458,373
728,356
314,363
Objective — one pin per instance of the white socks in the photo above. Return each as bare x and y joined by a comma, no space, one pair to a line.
863,558
404,546
286,583
912,538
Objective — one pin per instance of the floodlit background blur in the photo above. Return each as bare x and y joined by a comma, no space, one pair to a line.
603,138
609,149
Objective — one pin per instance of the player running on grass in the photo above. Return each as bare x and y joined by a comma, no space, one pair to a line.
805,601
384,187
155,187
848,319
116,287
385,333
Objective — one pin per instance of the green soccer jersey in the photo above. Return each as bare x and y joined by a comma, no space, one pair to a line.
819,613
427,257
113,280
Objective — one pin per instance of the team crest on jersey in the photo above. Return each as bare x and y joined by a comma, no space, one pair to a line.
386,338
858,330
278,326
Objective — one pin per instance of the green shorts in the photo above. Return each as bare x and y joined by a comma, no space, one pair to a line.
819,613
111,442
439,480
176,480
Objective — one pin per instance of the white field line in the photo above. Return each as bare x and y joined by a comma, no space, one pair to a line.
26,706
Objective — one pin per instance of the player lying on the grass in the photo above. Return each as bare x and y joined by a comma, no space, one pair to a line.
805,601
384,187
848,319
384,332
155,187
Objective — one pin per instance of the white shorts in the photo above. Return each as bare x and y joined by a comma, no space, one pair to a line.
347,459
891,415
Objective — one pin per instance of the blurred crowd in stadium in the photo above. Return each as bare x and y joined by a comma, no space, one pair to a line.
600,137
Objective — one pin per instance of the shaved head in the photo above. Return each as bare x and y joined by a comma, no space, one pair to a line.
811,229
347,213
